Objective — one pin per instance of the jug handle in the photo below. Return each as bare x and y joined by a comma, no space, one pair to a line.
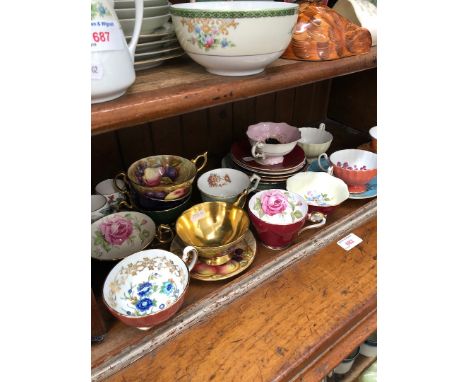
137,28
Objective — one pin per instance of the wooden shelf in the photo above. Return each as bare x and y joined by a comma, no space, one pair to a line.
359,366
183,86
338,311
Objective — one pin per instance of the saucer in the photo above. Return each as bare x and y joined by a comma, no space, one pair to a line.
371,186
244,254
121,234
242,156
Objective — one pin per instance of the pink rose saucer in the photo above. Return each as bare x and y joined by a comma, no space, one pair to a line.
121,234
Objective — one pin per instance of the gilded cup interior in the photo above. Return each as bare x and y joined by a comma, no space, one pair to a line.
212,224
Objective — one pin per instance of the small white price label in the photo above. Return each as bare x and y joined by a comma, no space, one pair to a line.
349,241
106,35
97,71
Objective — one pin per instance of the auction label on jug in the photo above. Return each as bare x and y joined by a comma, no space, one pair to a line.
97,70
106,35
349,241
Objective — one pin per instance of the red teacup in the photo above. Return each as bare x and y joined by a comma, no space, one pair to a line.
355,167
279,215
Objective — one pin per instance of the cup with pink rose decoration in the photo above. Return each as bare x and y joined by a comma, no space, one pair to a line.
278,216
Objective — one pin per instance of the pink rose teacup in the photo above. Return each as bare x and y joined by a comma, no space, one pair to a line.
279,215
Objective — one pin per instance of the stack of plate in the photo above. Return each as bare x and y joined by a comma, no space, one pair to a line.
157,42
272,176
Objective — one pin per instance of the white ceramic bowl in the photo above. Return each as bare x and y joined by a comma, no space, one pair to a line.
129,13
234,38
149,24
319,189
122,4
314,141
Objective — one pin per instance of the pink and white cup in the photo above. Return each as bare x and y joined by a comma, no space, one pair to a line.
278,216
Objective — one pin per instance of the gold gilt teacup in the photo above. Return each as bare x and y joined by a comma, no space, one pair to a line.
213,228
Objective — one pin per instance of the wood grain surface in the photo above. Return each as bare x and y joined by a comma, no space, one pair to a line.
269,333
184,86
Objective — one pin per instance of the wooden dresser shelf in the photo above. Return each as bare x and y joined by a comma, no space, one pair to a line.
183,86
316,303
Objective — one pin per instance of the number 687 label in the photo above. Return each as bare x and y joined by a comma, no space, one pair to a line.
106,35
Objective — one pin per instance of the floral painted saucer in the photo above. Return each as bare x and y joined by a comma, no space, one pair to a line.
121,234
243,256
371,191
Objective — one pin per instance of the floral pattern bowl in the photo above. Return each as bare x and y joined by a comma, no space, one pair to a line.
162,177
121,234
234,38
323,192
279,215
148,287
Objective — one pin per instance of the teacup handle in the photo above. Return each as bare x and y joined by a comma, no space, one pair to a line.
186,256
259,146
254,181
123,204
322,127
328,170
122,176
240,201
314,217
161,231
203,156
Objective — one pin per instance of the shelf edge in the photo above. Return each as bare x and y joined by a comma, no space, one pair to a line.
207,307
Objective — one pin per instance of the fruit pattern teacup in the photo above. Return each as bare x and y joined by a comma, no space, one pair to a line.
279,215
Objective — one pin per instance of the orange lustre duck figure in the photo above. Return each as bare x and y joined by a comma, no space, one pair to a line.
323,34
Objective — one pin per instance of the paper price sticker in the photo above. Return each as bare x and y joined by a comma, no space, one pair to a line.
349,241
97,71
106,35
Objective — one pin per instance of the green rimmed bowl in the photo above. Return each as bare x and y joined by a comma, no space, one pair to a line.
234,38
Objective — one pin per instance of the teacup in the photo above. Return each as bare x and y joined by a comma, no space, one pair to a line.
99,207
373,134
148,287
145,202
347,363
314,141
214,228
355,167
279,215
112,194
323,192
260,136
225,185
168,216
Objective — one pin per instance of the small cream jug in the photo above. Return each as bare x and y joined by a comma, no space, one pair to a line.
112,71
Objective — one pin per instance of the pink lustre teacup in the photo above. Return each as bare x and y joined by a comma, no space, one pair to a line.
272,141
279,215
355,167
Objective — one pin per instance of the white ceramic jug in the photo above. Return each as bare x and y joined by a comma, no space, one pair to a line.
112,70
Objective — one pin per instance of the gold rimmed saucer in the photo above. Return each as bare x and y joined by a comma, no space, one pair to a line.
243,255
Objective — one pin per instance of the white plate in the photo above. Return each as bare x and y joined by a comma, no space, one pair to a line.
148,26
121,234
153,46
156,54
147,64
129,13
161,33
121,4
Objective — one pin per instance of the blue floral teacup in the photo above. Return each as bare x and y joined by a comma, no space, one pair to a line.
148,287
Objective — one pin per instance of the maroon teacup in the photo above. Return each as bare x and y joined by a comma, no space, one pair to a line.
279,215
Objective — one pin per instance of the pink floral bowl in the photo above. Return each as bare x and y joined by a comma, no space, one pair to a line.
355,167
278,216
260,136
323,192
148,287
